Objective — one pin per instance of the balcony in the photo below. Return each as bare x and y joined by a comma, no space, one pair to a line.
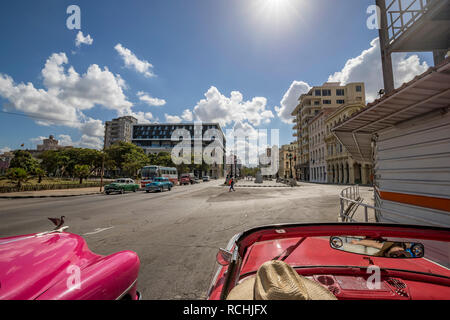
417,25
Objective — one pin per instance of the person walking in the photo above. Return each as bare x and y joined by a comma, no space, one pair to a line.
232,185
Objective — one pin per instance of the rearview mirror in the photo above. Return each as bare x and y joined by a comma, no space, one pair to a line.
378,247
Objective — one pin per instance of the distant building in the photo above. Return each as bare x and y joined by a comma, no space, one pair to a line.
330,95
157,137
50,144
287,161
119,129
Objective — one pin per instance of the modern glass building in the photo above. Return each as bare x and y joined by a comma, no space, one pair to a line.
163,137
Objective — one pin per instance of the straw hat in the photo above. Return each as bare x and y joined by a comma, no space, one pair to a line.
276,280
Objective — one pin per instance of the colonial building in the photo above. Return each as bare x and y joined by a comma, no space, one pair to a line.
119,129
5,160
287,161
341,167
330,95
318,147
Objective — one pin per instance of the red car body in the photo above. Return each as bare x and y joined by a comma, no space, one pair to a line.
60,266
344,274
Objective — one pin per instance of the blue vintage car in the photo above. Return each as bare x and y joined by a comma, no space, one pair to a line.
159,184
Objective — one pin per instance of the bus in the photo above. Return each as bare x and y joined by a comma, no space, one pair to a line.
151,172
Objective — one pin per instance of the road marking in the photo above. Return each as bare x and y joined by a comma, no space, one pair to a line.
98,230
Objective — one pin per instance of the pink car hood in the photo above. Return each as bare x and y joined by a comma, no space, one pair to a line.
31,264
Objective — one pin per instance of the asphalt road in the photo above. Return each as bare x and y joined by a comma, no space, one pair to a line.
177,233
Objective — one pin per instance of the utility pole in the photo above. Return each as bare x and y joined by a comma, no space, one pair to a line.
386,57
103,170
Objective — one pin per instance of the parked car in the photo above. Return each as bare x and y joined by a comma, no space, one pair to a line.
205,178
159,184
186,179
57,265
340,258
122,185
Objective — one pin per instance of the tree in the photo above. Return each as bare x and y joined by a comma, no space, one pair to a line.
118,153
23,159
82,171
39,172
17,175
134,161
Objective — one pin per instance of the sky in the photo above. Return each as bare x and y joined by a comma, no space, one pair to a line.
242,63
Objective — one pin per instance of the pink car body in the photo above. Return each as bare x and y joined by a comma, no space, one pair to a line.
59,266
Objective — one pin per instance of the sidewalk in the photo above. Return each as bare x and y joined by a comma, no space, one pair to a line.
51,193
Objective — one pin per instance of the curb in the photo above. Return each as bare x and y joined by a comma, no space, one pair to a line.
49,196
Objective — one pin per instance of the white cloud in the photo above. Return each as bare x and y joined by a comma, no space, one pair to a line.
219,108
145,97
367,68
66,95
142,117
5,149
81,39
131,61
172,119
364,68
187,115
290,100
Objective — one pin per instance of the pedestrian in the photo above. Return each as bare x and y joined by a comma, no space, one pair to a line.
232,185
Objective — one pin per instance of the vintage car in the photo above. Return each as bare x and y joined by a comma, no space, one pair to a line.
159,184
186,179
57,265
122,185
411,262
206,178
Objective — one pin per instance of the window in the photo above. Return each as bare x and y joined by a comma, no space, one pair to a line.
340,101
358,88
340,92
318,93
326,92
326,101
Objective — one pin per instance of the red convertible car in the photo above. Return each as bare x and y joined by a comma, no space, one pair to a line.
351,261
57,265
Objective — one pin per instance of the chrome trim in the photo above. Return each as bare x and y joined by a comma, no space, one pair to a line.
126,291
229,246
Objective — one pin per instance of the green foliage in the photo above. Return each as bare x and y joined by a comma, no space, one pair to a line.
82,171
23,159
134,161
123,154
62,162
17,175
40,173
245,171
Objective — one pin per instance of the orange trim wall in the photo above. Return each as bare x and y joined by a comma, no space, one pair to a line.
415,200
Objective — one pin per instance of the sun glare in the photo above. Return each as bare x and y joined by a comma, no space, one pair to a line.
276,12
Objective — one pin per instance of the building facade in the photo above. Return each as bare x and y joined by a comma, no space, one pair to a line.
119,129
341,167
329,96
287,161
157,137
318,147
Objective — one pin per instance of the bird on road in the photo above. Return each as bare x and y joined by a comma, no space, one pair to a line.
58,222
